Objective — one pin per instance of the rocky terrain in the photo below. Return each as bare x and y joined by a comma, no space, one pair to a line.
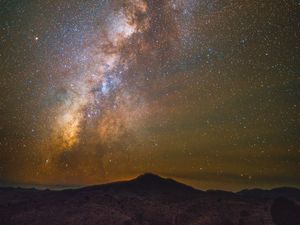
148,200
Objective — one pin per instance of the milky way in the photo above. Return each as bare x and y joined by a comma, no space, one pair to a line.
97,91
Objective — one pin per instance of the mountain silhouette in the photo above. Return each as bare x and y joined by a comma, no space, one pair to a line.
147,200
290,193
147,183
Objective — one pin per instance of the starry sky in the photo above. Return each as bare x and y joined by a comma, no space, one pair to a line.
203,91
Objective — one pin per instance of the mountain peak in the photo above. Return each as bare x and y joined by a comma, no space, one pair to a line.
149,176
147,182
150,181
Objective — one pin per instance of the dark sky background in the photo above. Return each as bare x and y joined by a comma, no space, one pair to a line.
203,91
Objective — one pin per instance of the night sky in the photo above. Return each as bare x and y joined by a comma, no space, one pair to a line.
203,91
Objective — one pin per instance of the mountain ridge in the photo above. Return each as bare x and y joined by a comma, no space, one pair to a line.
154,178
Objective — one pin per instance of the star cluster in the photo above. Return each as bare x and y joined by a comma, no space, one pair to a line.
203,91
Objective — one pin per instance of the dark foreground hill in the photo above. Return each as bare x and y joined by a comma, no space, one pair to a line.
148,200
